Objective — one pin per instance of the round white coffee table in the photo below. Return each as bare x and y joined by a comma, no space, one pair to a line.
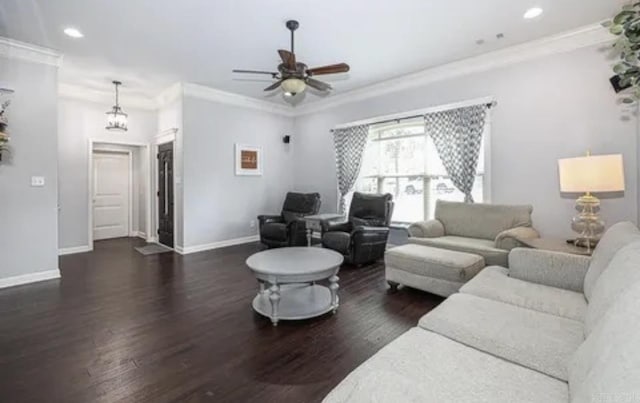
287,278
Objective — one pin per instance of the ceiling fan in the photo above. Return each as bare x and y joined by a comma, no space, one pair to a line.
293,76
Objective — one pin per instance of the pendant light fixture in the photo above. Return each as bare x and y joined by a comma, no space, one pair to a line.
116,119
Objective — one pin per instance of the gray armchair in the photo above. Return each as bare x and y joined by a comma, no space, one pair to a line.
288,228
488,230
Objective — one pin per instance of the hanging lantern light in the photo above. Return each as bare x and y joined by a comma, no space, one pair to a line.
116,119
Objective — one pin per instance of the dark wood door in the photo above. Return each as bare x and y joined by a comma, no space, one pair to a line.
165,194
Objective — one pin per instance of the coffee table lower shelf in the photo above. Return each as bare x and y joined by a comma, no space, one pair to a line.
296,302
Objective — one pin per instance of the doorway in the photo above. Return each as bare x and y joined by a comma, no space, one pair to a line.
112,193
165,194
119,190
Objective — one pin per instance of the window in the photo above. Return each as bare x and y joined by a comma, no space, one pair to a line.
402,160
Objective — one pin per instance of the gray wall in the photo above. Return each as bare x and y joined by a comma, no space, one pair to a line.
28,215
554,107
218,205
78,122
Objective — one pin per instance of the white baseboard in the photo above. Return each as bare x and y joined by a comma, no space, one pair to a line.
74,249
140,234
29,278
152,239
216,245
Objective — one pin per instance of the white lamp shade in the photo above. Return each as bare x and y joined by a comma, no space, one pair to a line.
597,173
293,85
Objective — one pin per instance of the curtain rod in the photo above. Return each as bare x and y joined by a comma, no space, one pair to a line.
490,103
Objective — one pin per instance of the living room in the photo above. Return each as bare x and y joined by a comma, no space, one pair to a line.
165,167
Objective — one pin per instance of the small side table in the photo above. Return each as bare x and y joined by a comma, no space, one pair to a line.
314,223
555,245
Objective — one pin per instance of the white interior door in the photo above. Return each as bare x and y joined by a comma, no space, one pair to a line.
111,184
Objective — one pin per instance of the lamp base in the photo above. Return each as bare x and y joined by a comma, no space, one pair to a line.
587,224
582,244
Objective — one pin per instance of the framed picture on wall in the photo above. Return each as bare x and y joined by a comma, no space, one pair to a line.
248,160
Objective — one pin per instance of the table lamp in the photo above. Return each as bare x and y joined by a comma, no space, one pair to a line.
590,174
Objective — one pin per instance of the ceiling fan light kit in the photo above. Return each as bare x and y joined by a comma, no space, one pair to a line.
293,86
292,76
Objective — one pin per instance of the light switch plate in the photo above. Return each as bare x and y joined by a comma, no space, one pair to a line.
37,181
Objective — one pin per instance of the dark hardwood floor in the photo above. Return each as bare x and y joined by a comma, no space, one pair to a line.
122,327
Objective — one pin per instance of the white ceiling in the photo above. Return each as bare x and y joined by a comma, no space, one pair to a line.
150,44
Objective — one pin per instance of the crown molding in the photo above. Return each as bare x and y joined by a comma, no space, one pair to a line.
586,36
228,98
81,93
12,49
590,35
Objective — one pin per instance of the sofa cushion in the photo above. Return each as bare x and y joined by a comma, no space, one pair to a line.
274,230
481,220
606,367
495,283
612,241
482,247
623,271
536,340
434,262
554,269
421,366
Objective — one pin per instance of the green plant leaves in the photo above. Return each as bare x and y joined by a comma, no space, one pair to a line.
620,68
626,25
616,29
623,17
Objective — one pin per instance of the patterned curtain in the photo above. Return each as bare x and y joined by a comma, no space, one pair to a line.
349,145
457,135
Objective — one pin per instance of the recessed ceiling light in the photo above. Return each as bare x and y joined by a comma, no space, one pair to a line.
532,13
73,32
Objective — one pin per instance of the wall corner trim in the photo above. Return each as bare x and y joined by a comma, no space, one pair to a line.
74,249
12,49
29,278
216,245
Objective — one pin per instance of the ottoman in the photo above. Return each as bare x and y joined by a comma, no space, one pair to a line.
438,271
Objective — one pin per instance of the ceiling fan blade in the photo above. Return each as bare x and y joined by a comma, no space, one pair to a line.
271,73
318,85
330,69
273,86
288,58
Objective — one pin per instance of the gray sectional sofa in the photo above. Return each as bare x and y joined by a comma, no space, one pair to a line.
488,230
552,328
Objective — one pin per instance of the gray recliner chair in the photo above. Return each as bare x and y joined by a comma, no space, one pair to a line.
362,239
288,228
